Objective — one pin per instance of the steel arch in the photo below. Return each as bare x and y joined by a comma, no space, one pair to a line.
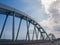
9,11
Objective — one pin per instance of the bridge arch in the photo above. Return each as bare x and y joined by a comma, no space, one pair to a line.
9,11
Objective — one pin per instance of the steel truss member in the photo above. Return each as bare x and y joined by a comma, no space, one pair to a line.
9,11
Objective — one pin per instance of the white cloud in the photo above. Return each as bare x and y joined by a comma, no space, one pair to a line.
49,23
55,10
54,13
46,4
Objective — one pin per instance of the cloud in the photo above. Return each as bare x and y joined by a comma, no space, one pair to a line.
55,10
35,9
46,4
47,23
57,28
52,8
56,31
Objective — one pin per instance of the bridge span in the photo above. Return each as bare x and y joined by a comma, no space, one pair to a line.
44,38
32,42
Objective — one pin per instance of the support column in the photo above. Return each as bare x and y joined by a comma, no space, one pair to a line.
34,31
41,35
45,33
3,26
27,35
18,29
13,26
33,35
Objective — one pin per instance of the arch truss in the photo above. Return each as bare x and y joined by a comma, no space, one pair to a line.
9,11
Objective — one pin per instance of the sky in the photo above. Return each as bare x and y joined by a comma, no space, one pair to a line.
45,12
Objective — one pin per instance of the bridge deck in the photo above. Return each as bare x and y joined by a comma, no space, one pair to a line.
32,42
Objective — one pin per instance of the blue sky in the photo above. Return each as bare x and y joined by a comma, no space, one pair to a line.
31,7
37,9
